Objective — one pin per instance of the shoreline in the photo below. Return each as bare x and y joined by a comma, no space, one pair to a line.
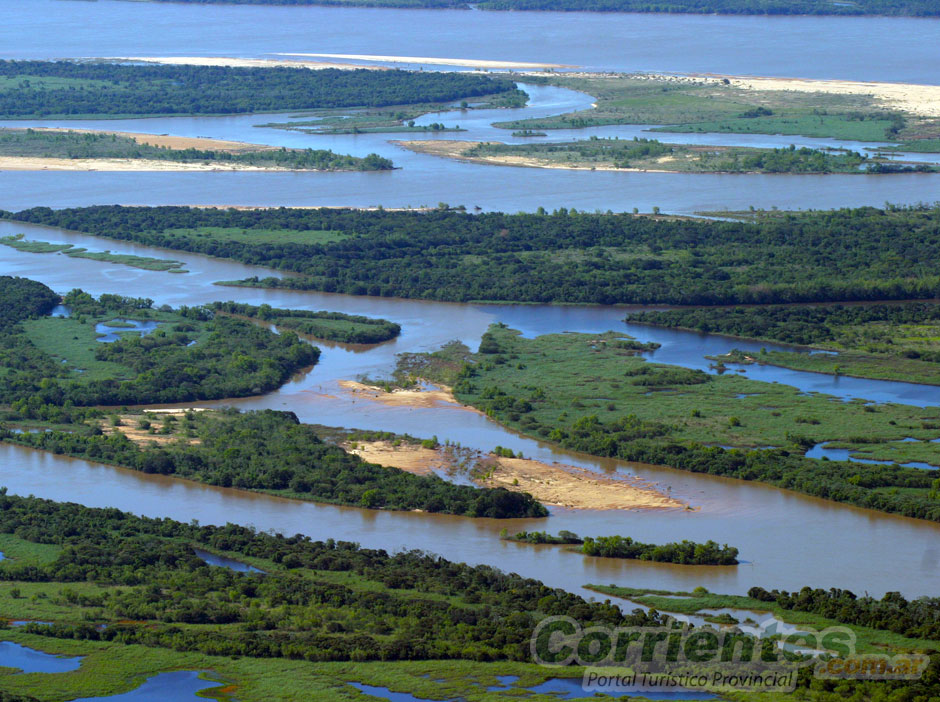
30,163
434,61
232,62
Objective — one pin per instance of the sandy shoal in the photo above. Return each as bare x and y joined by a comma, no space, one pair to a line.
226,61
554,484
24,163
469,63
441,395
165,140
917,99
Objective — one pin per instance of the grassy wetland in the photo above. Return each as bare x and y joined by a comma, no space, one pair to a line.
747,106
596,393
885,342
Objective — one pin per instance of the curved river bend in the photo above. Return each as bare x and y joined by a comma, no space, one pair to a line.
787,540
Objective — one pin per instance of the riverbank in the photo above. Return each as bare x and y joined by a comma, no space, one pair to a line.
229,62
467,63
555,484
423,397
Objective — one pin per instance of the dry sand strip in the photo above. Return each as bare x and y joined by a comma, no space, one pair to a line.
23,163
229,62
167,140
554,484
917,99
429,60
441,396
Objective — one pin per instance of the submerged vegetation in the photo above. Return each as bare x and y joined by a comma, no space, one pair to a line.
20,243
862,254
268,451
893,342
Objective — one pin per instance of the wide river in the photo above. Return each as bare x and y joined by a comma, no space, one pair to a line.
786,540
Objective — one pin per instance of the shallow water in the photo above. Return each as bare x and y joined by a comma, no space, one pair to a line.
179,686
29,660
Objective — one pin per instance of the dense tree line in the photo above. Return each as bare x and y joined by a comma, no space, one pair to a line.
859,254
406,606
272,451
232,358
74,145
915,8
43,88
799,325
682,553
22,298
331,326
624,153
919,618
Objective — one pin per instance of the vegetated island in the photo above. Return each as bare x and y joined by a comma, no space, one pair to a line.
265,451
331,326
587,393
55,149
881,341
681,553
652,155
117,350
909,8
103,89
866,112
866,254
20,243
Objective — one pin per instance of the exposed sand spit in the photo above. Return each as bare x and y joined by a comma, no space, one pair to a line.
441,395
551,483
23,163
469,63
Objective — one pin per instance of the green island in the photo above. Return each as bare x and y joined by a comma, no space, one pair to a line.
911,8
652,155
866,254
684,553
329,326
136,597
20,243
727,105
878,624
880,341
31,89
588,393
265,451
42,144
53,365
